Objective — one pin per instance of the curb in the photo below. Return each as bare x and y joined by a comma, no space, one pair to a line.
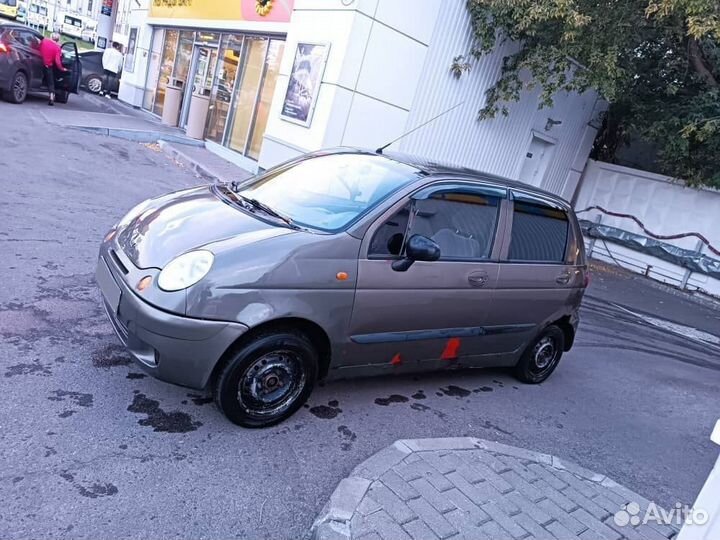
333,523
194,165
138,135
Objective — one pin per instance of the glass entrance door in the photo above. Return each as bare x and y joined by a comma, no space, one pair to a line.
202,70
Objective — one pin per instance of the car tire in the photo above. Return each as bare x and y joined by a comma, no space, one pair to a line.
94,84
264,381
18,88
62,96
541,357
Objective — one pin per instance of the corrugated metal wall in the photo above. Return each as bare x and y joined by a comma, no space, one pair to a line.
497,146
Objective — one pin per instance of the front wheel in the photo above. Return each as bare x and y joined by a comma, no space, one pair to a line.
266,380
541,357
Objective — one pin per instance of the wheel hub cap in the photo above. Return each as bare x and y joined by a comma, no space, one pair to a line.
271,383
19,87
544,353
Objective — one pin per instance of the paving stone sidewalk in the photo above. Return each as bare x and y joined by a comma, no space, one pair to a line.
427,489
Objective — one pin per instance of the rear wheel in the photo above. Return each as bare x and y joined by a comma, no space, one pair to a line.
18,88
541,357
266,380
94,84
62,96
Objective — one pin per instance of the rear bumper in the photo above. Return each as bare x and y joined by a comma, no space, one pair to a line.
173,348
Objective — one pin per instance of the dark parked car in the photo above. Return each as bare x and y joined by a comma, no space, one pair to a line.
93,74
342,263
21,66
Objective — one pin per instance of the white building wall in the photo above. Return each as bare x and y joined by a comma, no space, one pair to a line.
665,206
374,67
389,71
132,83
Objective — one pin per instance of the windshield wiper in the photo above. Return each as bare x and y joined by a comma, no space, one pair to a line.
268,210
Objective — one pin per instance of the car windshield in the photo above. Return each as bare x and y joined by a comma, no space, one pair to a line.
329,192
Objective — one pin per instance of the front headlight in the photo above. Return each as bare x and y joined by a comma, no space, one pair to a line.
185,270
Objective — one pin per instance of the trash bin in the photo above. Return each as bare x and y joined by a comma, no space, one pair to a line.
197,116
171,106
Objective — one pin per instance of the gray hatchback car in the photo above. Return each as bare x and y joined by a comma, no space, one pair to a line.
342,263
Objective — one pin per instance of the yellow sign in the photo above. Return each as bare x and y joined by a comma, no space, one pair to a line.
223,10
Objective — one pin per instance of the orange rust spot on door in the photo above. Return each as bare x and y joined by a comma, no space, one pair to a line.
396,360
451,349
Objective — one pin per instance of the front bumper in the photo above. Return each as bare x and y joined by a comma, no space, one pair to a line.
173,348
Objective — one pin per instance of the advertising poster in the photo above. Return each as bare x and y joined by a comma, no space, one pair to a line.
131,48
304,84
106,7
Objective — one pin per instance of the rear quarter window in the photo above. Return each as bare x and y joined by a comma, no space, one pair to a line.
539,233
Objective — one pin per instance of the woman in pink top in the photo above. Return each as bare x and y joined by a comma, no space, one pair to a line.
52,58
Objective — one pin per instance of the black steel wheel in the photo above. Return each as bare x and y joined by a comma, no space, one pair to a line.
266,380
541,357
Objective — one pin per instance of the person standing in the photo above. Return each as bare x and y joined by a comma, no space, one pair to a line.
112,61
52,60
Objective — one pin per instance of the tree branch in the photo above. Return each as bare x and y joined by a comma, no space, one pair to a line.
697,61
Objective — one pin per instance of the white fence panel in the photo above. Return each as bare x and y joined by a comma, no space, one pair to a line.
664,205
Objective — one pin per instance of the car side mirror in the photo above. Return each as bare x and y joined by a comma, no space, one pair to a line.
419,248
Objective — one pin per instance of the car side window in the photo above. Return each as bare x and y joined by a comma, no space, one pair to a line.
388,239
461,222
539,233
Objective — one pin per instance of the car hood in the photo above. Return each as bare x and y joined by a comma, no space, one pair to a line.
180,222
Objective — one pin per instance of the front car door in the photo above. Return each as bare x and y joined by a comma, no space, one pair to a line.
69,81
434,313
541,276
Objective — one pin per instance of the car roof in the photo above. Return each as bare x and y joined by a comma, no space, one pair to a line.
10,24
433,168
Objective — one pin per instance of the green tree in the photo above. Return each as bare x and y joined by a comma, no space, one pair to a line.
657,62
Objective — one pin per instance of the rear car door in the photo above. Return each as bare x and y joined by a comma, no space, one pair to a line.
34,58
541,277
25,45
434,313
70,80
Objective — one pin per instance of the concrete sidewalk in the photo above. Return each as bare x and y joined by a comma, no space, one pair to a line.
94,114
427,489
204,163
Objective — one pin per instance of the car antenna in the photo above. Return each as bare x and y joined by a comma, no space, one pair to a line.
380,150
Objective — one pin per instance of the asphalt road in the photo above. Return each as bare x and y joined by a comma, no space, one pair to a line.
91,448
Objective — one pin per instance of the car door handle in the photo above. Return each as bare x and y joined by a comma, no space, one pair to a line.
563,278
478,279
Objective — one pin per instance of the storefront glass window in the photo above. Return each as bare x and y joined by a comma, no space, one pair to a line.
262,111
222,91
166,69
247,93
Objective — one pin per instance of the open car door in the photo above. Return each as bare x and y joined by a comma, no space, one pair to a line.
68,82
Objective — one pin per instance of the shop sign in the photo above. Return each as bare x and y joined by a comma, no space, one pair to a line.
304,83
223,10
